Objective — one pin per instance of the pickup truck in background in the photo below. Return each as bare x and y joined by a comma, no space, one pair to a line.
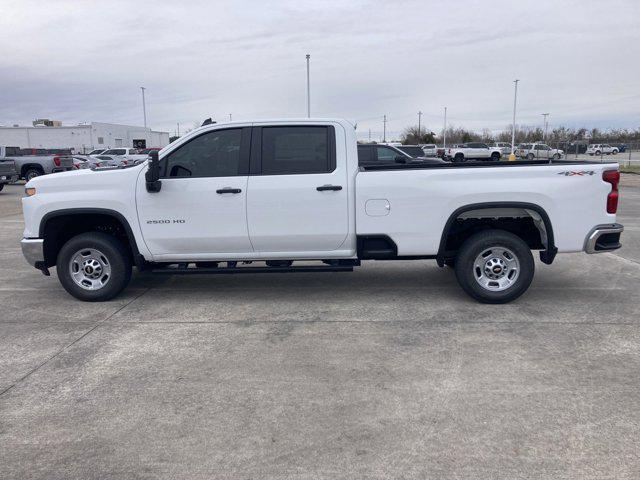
474,151
286,196
31,166
8,172
538,151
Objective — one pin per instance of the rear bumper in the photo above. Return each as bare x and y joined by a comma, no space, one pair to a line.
33,251
603,238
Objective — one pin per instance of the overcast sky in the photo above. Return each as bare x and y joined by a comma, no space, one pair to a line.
82,61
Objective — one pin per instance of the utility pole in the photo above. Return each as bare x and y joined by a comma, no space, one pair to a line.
308,89
444,134
144,107
178,129
419,123
512,157
369,135
384,129
230,118
544,135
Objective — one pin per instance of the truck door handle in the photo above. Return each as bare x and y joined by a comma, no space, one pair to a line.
329,187
228,190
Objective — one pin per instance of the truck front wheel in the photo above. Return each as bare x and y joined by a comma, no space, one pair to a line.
494,266
93,266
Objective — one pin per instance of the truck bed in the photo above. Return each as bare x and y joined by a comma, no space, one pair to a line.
414,202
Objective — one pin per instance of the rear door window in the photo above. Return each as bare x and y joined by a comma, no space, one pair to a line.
297,150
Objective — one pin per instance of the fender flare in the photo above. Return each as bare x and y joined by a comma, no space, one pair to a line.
138,259
546,256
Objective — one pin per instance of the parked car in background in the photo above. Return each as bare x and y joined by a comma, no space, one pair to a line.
414,151
8,172
505,148
430,150
602,149
372,154
473,151
31,166
125,155
97,151
622,147
538,151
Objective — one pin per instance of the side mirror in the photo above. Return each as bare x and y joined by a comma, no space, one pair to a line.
400,159
152,176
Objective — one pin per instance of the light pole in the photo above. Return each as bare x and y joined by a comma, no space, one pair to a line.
419,123
384,129
144,107
230,118
544,135
444,133
512,157
308,89
178,129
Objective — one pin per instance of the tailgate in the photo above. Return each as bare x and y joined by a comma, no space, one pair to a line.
7,167
66,162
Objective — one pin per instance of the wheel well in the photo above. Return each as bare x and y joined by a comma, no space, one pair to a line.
30,166
57,230
531,225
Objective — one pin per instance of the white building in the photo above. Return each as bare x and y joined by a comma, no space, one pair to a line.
83,138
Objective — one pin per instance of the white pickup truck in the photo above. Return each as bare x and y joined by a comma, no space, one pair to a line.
474,151
277,196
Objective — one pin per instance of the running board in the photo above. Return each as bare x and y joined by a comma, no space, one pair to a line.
231,270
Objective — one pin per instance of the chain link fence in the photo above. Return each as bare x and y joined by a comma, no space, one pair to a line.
623,152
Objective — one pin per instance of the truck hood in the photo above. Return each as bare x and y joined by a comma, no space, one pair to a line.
85,178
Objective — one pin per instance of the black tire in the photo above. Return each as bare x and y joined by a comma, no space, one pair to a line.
114,254
495,156
598,152
487,240
530,156
614,152
459,157
32,173
556,156
1,186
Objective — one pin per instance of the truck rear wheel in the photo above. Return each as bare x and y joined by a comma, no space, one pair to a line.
494,266
32,173
93,267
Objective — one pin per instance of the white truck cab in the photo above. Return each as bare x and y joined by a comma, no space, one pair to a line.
276,196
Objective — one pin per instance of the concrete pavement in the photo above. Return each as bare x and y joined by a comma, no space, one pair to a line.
387,372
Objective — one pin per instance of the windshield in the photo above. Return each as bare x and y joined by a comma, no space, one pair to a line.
412,151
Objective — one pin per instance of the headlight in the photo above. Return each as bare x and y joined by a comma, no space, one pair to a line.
30,191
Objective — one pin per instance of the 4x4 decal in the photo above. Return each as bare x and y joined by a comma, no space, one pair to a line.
579,173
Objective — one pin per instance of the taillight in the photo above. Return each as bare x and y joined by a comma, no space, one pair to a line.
124,162
612,177
56,161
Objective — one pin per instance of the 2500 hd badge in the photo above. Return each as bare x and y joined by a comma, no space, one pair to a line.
156,222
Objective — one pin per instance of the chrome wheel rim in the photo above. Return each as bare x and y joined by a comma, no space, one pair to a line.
90,269
496,268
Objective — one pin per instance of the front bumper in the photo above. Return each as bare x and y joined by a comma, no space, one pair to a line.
603,238
33,251
8,178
